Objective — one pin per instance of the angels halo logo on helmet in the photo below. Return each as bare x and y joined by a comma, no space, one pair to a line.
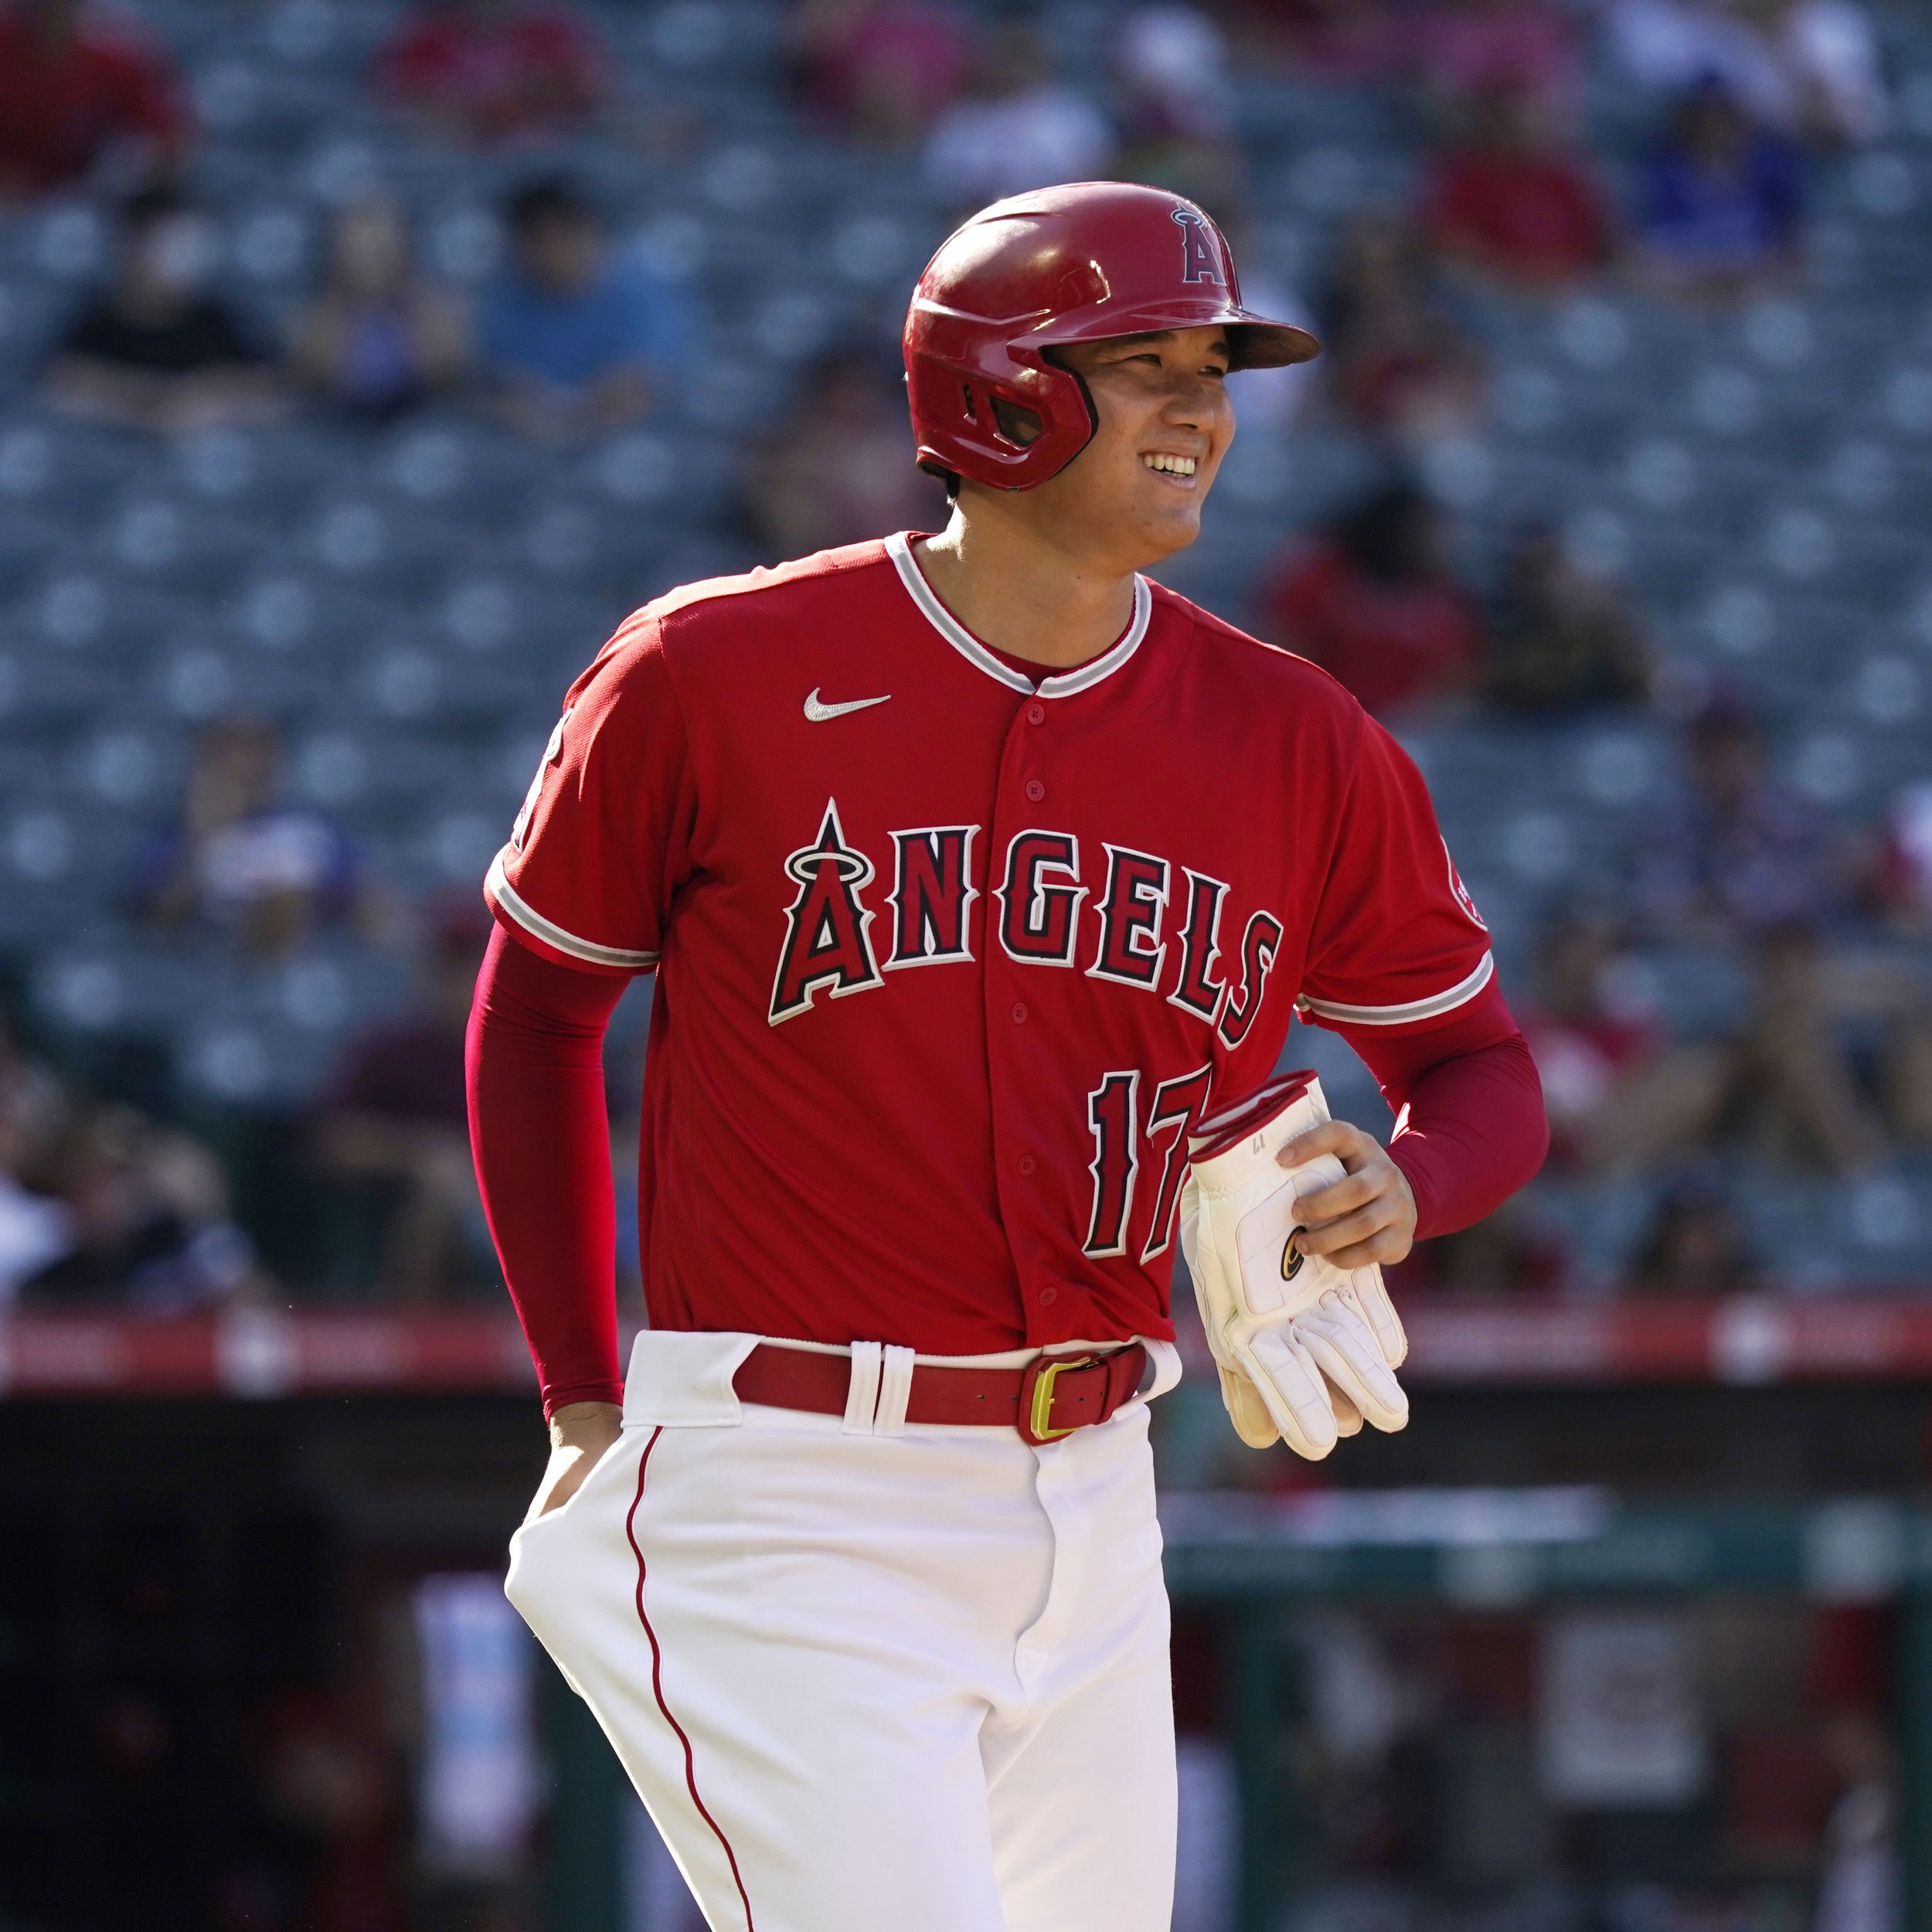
1076,264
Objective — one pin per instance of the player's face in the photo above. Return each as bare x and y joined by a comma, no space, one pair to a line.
1166,422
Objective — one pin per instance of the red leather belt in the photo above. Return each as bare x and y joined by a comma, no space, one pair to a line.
1051,1396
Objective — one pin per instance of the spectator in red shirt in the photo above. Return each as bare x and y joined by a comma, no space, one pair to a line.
72,93
1344,43
1513,203
487,70
1468,47
1396,361
885,69
1373,603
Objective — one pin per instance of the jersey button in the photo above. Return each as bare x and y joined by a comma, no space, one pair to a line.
1026,1164
1019,1012
1035,789
1036,713
1048,1296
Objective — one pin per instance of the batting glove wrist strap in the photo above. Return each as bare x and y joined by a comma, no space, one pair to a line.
1306,1351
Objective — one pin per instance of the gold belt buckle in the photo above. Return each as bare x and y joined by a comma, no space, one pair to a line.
1036,1396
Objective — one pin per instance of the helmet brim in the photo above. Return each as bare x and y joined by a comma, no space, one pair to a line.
1256,341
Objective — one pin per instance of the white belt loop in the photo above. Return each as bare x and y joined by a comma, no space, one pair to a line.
861,1395
1166,1359
894,1391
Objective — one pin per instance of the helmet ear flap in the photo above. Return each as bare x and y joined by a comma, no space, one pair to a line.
1015,422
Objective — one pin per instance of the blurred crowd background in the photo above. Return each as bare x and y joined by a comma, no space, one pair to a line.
362,365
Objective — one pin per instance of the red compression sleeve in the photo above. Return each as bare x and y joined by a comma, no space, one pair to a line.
542,1142
1475,1130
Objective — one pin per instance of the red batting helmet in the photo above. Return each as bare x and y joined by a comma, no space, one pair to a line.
1071,264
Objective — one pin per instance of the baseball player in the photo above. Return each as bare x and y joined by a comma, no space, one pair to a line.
982,877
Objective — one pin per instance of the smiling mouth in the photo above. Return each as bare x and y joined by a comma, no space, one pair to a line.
1178,470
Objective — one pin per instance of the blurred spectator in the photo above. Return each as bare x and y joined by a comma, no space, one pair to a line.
147,1218
1596,1043
1899,884
240,859
1793,1096
487,70
1732,849
1812,68
396,1120
1822,76
575,334
1561,642
1832,1061
1373,603
1466,49
379,338
1513,201
1020,127
1694,1248
1346,43
34,1111
885,69
76,92
839,470
1396,361
154,350
1718,202
1176,105
1505,1253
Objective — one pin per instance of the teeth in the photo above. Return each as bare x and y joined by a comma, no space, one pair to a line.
1178,465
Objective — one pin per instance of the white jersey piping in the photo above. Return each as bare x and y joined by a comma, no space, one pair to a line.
1436,1003
533,922
1066,683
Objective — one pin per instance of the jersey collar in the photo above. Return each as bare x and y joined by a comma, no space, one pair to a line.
899,547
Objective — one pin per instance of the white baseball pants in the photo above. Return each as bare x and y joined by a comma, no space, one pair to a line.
869,1681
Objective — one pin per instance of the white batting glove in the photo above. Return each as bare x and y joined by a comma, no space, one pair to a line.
1306,1350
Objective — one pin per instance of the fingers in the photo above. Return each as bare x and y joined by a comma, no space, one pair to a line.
1340,1342
1347,1417
1381,1250
1249,1414
1346,1143
1353,1191
1285,1376
1371,1296
1348,1230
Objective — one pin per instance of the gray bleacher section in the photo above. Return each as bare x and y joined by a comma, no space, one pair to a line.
412,602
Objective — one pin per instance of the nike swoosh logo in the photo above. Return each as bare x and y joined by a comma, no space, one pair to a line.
818,713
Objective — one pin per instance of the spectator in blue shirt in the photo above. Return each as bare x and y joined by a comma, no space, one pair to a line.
575,334
1719,201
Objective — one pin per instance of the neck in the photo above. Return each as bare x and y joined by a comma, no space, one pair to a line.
1019,590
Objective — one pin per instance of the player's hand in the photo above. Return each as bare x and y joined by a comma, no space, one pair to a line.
581,1432
1370,1215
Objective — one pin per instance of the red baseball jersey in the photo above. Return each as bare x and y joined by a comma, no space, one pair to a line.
949,958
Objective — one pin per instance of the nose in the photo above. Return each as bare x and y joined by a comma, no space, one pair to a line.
1194,402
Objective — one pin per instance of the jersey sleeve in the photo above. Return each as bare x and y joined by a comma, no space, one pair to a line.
1396,940
602,842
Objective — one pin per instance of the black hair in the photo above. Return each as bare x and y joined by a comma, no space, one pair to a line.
1376,532
548,198
147,205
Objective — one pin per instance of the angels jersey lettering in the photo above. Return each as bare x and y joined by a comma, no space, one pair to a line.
950,959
